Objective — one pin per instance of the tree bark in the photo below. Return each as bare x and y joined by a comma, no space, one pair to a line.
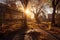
37,19
53,16
54,4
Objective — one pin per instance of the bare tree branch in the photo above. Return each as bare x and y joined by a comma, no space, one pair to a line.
39,11
24,2
57,2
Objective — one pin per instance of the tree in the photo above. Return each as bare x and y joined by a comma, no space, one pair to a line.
37,7
54,5
24,28
36,15
25,3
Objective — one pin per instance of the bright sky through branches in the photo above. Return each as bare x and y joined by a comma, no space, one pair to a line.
27,11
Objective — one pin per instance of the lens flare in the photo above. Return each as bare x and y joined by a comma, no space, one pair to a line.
29,13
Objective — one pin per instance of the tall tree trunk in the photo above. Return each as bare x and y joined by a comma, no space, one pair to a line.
54,4
53,16
25,16
25,27
37,19
25,3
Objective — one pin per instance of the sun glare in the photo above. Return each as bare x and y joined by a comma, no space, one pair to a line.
26,11
29,13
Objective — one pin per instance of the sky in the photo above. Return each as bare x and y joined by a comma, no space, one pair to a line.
2,1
